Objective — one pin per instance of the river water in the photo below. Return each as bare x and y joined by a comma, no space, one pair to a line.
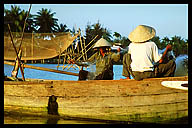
38,74
11,118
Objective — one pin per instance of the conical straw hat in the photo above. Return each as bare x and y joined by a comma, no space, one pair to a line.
142,33
102,43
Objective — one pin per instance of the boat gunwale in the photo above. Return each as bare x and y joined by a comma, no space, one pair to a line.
125,80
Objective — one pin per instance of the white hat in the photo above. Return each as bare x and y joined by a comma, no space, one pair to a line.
102,43
142,33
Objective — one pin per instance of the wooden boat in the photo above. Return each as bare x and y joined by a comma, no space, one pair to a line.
145,101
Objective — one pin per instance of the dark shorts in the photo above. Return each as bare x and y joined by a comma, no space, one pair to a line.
143,75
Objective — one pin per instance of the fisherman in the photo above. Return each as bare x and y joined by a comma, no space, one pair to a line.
104,62
143,59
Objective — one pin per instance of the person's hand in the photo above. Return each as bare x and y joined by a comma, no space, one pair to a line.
161,60
169,47
71,61
118,49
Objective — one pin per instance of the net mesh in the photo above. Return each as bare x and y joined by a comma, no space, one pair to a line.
37,46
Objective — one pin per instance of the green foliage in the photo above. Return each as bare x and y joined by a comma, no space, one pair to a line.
97,29
62,28
44,21
179,46
117,35
16,18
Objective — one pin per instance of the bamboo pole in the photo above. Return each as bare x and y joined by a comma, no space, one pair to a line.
90,42
16,66
64,58
89,48
44,69
25,61
32,46
59,57
24,27
81,44
84,46
22,73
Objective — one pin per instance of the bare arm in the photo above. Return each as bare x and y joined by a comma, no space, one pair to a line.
168,48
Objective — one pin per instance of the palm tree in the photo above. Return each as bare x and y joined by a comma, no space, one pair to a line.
62,28
156,39
117,35
125,41
45,22
96,29
179,45
165,41
107,34
16,18
13,18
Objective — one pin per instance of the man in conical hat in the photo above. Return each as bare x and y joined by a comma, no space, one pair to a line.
103,59
143,59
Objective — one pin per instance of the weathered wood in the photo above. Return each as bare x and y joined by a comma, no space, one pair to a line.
44,69
119,100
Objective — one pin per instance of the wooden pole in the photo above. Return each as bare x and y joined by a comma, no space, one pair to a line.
16,66
22,73
44,69
25,61
32,46
64,58
24,27
81,44
88,49
84,46
59,57
90,42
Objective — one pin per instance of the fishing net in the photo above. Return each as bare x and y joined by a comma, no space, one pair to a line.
36,46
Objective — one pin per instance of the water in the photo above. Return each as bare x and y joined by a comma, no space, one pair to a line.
38,74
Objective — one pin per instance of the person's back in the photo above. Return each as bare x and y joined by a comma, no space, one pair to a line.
143,55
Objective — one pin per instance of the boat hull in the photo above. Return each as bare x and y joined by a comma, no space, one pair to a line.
144,101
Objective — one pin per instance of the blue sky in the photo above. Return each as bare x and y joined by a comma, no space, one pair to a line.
168,19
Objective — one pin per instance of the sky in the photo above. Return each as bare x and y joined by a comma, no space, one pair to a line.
167,19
